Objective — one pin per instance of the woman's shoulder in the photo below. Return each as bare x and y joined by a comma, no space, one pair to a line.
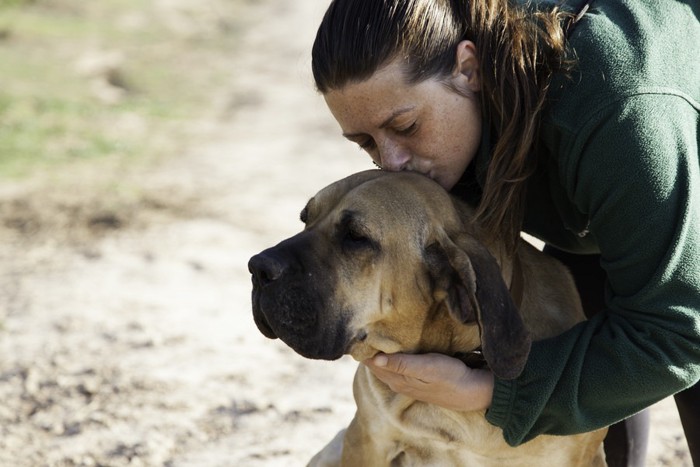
625,49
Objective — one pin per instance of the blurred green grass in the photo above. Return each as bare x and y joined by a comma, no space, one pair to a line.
55,111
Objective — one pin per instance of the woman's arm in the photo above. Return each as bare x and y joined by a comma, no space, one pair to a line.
634,169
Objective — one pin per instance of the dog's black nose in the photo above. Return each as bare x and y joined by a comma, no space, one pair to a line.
265,269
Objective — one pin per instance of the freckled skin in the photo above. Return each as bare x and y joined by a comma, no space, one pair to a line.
435,131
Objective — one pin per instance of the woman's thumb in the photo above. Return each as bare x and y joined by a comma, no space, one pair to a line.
396,363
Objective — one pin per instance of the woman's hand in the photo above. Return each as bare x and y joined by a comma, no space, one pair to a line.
436,379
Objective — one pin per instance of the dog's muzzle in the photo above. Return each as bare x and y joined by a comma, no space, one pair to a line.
290,301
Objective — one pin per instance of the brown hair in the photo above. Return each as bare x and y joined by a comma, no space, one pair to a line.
519,49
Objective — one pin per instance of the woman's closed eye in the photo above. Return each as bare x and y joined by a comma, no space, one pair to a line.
367,144
407,131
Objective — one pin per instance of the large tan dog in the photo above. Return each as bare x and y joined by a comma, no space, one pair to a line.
389,262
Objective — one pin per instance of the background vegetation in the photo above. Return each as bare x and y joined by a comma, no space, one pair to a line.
85,82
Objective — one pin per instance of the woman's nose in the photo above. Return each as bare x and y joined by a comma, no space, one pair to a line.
394,157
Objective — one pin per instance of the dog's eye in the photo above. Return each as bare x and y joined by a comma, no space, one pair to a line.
355,238
353,234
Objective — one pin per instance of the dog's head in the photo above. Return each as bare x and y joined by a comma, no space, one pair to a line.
386,262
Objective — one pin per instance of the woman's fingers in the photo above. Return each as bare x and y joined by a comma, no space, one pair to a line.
434,378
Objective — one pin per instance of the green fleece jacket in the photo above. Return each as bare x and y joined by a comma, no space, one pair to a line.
619,176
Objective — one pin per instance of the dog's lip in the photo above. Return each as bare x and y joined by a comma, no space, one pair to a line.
361,352
359,348
263,326
266,330
366,344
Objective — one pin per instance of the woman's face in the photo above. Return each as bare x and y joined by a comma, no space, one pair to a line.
426,127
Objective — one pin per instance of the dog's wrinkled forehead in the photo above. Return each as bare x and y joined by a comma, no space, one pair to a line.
386,197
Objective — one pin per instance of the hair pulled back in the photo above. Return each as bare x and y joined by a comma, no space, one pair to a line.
518,48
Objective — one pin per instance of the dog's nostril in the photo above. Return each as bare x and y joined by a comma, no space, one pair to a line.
263,277
265,269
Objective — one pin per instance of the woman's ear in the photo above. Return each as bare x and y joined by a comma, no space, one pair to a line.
466,75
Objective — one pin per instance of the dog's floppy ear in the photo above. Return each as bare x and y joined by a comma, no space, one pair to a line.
475,291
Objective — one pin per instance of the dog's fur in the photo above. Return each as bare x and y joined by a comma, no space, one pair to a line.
389,262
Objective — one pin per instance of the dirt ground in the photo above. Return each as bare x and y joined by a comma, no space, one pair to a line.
127,338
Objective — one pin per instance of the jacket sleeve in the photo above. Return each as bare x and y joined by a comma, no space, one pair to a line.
633,168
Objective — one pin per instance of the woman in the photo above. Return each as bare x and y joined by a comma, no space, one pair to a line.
577,124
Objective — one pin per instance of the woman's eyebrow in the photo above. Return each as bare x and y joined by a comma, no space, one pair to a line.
385,123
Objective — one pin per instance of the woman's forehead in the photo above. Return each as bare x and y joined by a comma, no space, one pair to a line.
374,101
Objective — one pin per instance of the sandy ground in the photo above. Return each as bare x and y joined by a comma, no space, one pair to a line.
134,345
